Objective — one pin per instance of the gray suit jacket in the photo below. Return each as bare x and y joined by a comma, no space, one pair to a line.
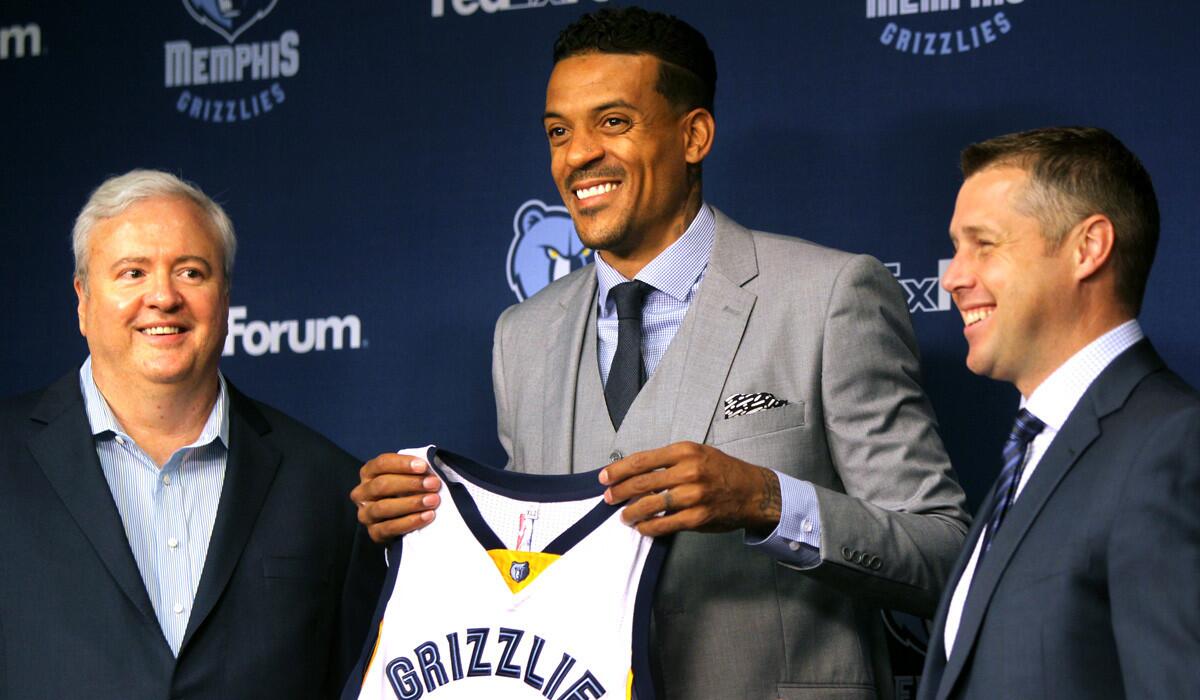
829,332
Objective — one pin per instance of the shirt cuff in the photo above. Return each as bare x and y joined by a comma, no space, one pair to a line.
797,538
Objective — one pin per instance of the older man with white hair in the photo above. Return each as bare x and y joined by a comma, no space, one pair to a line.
163,534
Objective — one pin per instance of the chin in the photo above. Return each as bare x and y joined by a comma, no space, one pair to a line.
978,365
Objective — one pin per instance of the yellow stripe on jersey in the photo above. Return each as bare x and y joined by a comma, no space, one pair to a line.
629,686
374,651
519,569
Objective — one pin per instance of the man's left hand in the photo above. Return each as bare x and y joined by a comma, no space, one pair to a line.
686,486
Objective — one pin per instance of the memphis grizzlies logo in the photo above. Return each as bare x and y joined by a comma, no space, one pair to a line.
544,248
942,27
229,18
519,570
908,630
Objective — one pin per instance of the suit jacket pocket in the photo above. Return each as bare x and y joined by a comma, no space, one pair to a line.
302,568
726,430
797,691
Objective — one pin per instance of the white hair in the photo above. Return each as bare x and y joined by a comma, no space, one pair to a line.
118,193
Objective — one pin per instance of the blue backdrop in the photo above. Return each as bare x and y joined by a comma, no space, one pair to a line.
374,156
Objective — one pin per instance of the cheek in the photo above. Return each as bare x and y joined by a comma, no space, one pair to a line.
125,305
558,168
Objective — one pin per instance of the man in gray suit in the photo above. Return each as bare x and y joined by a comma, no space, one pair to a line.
757,395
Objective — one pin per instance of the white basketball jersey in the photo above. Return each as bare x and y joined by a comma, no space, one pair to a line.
523,586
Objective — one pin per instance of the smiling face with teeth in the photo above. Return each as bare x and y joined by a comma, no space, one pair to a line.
620,155
155,304
1015,294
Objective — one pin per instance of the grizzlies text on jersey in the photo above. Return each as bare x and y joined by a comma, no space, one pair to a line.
523,586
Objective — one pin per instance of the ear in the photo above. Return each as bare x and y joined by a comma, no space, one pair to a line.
82,295
1092,244
699,129
529,215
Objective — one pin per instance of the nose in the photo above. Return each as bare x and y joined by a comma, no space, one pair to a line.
957,275
584,148
163,294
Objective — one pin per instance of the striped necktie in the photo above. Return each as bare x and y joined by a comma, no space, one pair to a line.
1025,429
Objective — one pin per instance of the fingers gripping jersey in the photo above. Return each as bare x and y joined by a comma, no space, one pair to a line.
523,586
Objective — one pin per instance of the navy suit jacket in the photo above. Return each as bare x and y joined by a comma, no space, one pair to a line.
283,602
1091,588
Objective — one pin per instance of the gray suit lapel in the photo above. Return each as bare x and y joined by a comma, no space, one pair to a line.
719,315
563,338
248,477
1107,393
67,455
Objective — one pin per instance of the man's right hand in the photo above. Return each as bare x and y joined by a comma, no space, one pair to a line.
396,494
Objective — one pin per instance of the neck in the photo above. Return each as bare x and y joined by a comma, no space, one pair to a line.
631,262
1092,323
161,418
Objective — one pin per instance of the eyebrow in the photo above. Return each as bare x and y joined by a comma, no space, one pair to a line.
143,260
597,108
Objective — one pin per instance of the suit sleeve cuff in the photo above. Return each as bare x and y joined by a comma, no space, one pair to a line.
797,538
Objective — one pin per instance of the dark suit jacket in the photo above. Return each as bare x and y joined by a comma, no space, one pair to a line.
1092,587
283,602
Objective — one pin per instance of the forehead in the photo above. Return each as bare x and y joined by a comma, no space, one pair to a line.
989,194
590,80
155,221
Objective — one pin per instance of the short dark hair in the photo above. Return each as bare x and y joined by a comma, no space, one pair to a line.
1076,172
687,74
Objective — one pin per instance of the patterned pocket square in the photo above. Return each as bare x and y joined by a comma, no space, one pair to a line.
744,404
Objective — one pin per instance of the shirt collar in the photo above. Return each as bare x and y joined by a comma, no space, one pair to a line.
1055,398
102,419
675,270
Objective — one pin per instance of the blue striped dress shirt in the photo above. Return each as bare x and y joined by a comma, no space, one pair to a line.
168,512
676,274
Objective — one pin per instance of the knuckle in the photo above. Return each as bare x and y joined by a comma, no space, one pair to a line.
641,482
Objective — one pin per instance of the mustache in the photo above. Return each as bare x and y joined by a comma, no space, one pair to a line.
606,171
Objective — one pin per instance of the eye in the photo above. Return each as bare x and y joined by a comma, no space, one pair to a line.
556,134
131,273
615,123
551,253
192,273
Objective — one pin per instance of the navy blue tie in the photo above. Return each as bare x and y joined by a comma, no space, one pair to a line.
627,373
1025,429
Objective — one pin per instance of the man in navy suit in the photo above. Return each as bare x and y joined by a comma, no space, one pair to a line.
161,534
1081,575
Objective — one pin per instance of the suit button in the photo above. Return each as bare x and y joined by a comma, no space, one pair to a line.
858,557
846,554
615,455
876,563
